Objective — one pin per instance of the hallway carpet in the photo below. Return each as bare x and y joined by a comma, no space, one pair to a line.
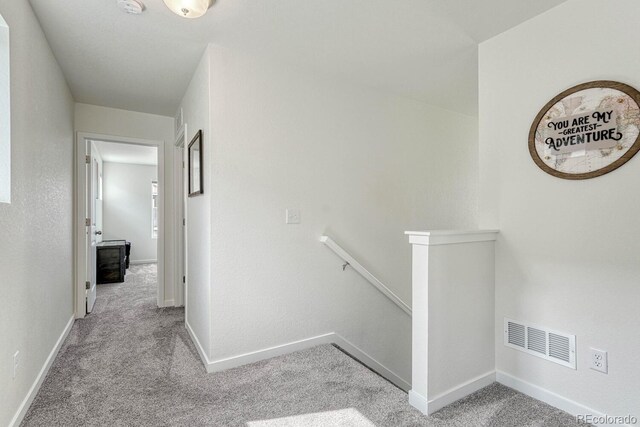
130,363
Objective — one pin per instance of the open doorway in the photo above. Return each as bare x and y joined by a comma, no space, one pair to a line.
120,215
180,214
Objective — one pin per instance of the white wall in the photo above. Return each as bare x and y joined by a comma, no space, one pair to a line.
361,166
196,104
567,255
5,114
127,207
116,122
36,262
460,310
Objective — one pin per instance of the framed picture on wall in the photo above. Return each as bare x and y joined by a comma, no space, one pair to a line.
195,165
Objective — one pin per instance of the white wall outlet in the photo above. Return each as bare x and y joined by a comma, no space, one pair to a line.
292,216
16,363
599,360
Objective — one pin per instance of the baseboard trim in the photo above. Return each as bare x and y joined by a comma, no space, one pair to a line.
419,402
167,303
547,396
371,362
454,394
35,387
143,261
279,350
268,353
196,342
461,391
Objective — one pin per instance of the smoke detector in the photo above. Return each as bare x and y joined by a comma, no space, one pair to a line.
133,7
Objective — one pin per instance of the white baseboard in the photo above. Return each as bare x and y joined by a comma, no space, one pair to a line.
196,342
454,394
419,402
371,362
167,303
33,391
143,261
549,397
267,353
461,391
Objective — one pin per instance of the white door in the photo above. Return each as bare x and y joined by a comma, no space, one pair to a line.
180,212
97,194
91,229
183,214
180,265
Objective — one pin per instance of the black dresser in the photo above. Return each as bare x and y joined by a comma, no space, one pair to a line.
111,260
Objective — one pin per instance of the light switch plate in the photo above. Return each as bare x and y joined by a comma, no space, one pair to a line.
292,216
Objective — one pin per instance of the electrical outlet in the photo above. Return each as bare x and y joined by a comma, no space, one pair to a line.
599,360
16,363
292,216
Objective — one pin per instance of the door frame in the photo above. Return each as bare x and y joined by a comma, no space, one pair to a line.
79,214
180,214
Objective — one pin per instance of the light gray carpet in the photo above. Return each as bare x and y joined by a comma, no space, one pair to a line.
132,364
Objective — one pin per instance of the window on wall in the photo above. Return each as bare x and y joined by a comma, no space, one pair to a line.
5,116
154,209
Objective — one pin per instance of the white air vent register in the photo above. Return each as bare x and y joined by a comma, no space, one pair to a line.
551,345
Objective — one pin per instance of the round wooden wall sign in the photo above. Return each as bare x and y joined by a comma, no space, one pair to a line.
587,131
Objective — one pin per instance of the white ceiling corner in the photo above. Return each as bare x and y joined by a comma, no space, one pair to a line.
423,49
116,152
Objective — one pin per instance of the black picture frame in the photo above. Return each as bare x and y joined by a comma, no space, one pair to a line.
194,171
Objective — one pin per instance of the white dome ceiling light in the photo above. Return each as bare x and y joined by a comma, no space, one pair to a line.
133,7
188,8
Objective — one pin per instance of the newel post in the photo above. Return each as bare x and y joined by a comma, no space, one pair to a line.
453,323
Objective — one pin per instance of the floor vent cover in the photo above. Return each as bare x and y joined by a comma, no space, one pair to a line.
554,346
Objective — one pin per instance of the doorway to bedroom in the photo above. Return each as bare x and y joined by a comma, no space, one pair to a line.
120,222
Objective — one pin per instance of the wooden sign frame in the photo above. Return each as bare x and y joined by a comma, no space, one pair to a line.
628,90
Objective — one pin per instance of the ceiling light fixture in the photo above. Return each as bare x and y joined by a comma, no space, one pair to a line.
188,8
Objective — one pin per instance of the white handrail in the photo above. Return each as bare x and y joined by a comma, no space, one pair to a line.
365,273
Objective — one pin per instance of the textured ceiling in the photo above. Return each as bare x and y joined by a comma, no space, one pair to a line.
423,49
